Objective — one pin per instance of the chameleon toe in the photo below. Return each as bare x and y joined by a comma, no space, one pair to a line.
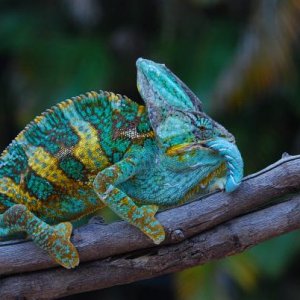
60,247
150,225
64,229
64,252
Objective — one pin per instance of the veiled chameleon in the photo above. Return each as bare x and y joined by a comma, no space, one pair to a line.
102,149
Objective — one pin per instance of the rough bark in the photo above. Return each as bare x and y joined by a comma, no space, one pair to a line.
209,228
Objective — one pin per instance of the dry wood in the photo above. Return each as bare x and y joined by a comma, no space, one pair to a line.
128,256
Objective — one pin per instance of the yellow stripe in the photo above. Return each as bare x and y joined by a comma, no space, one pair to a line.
88,150
177,149
9,188
46,166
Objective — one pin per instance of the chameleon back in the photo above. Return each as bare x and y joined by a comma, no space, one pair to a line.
51,165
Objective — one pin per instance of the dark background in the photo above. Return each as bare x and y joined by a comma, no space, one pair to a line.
240,57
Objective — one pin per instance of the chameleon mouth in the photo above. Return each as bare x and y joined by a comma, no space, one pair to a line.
183,148
197,190
219,171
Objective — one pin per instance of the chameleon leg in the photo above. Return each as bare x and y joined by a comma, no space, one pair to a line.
142,217
233,160
54,239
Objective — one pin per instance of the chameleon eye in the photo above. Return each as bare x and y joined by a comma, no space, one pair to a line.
204,124
205,129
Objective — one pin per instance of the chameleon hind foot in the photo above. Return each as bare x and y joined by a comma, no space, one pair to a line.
54,239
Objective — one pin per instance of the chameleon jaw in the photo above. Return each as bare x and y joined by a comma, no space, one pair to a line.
183,148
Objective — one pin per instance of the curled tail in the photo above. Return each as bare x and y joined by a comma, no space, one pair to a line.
233,160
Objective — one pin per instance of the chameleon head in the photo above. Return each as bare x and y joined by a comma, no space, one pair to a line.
187,137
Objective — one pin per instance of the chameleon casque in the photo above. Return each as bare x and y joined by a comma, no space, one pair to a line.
102,149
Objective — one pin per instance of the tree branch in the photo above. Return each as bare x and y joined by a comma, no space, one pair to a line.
118,253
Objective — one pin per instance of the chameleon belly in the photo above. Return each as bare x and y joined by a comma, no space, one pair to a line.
51,165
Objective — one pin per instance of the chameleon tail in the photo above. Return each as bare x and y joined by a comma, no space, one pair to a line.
233,160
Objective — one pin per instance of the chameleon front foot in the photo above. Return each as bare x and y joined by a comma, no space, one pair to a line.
145,220
105,186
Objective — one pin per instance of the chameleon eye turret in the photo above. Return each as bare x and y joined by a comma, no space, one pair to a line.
180,125
170,102
162,91
102,149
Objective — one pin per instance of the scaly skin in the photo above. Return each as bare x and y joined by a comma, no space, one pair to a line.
104,149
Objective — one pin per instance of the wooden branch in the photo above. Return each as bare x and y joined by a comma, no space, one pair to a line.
127,255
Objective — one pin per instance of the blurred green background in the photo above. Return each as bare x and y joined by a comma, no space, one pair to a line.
240,57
